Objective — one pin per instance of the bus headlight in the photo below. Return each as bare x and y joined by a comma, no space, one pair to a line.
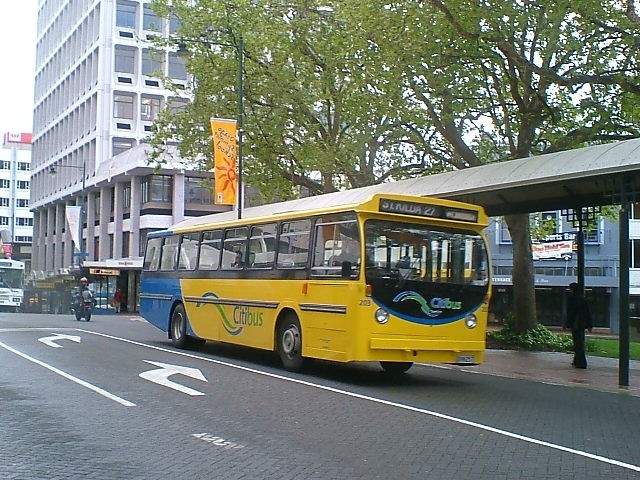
471,321
382,316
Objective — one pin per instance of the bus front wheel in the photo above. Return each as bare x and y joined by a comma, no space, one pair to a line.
396,368
290,343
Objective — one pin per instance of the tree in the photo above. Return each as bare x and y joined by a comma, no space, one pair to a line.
318,115
506,80
350,93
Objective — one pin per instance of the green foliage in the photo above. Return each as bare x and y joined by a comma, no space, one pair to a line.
350,93
536,338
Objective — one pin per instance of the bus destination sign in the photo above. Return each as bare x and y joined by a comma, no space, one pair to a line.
426,210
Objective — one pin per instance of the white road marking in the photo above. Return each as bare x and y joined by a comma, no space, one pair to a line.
402,406
50,341
218,441
99,390
162,374
35,329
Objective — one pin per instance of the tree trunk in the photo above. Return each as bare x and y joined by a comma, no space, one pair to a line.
524,298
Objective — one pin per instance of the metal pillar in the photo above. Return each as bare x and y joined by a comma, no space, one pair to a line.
580,245
240,54
623,337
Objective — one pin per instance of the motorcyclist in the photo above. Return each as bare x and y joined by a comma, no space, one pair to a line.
84,300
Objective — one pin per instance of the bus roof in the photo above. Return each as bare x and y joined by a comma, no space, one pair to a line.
330,202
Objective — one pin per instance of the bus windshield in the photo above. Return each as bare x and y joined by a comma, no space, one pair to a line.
10,278
423,254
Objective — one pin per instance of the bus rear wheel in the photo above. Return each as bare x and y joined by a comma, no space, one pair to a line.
178,328
396,368
289,343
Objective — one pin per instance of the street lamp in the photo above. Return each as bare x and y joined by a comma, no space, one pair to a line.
52,170
239,48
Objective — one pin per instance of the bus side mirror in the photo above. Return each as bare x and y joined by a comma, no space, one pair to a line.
346,270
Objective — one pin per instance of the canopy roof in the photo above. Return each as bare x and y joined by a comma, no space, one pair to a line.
573,178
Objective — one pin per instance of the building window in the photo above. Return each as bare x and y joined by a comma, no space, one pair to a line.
151,21
5,183
177,67
22,202
197,190
125,14
152,62
503,234
4,202
157,188
149,108
174,23
119,145
23,239
126,196
24,222
126,238
23,184
24,166
635,253
4,220
123,106
125,59
176,105
4,165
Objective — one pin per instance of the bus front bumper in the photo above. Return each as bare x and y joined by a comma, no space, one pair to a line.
423,350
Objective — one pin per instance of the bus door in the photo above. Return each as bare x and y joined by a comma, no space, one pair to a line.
333,287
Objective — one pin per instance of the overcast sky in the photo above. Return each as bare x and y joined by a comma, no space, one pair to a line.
17,58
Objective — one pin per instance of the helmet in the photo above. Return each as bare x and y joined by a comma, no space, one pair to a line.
84,280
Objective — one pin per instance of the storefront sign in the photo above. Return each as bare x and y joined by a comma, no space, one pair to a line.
552,250
104,271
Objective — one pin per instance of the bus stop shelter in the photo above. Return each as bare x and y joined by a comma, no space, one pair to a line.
599,175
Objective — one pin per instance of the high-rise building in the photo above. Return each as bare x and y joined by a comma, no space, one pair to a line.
16,220
98,89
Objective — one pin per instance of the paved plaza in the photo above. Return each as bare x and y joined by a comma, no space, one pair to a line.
114,400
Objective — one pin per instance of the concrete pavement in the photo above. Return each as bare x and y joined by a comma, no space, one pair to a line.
555,368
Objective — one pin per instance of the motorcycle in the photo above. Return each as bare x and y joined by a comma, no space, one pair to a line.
83,307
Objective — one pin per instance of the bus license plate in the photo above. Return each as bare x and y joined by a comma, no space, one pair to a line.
466,359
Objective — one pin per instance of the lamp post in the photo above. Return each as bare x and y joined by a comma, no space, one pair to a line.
52,169
239,48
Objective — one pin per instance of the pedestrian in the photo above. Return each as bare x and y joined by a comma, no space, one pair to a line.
578,320
117,300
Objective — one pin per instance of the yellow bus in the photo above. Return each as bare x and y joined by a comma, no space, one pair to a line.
389,278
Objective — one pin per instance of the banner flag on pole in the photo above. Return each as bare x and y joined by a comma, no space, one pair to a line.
225,156
73,222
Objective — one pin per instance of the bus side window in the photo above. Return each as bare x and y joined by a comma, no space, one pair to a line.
169,257
293,248
210,250
152,256
234,248
188,251
262,246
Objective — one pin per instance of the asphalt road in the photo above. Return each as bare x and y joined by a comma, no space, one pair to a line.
104,405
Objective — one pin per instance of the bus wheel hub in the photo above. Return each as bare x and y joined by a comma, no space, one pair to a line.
291,340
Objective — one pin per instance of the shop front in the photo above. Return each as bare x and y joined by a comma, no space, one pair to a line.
115,284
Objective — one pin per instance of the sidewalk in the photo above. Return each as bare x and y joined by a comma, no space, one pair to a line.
555,368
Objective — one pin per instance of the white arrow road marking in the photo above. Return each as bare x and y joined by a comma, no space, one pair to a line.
99,390
49,341
161,376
